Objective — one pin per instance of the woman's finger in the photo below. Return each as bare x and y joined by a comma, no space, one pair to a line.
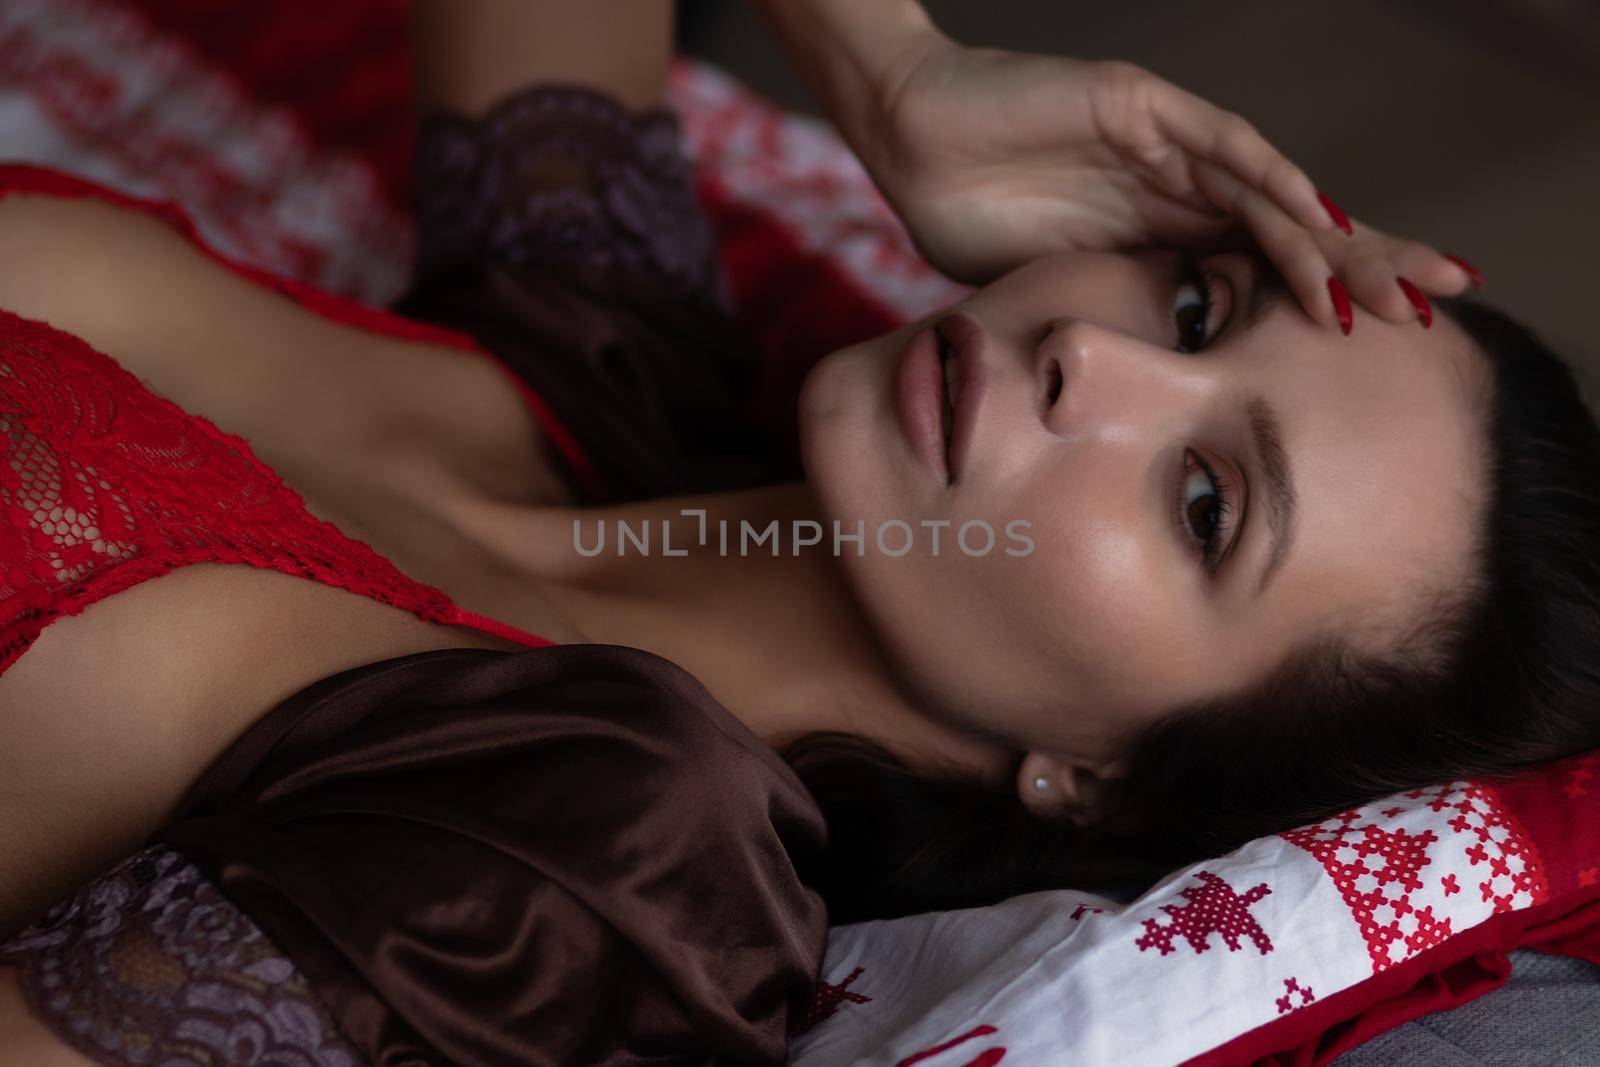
1379,264
1230,141
1430,270
1376,282
1282,239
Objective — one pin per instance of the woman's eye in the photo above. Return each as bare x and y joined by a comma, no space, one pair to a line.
1206,502
1191,305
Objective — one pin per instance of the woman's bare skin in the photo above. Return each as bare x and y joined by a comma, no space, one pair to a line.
129,693
140,692
23,1038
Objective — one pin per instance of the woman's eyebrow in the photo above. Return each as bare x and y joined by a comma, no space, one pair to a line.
1267,286
1272,460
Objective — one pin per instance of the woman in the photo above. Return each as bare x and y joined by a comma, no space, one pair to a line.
412,827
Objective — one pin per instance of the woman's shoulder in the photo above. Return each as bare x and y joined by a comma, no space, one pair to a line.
79,261
131,281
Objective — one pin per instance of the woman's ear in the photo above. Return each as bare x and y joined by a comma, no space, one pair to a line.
1056,787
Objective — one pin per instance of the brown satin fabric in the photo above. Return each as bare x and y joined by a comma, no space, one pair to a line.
570,855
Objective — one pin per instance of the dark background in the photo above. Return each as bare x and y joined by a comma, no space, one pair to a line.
1473,125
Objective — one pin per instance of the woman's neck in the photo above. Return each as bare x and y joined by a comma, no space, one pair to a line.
777,638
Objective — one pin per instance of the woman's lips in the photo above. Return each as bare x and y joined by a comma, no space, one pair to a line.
966,340
920,400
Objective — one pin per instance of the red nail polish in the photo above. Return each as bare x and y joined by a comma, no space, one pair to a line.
1477,279
1336,213
1341,305
1418,301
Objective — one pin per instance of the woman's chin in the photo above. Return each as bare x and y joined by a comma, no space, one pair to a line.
837,407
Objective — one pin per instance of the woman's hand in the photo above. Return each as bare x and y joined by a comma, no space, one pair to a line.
995,158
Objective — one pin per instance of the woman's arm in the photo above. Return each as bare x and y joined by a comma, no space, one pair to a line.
993,158
24,1040
471,53
851,55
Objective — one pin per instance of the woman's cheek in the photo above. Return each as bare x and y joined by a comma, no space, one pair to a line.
1104,583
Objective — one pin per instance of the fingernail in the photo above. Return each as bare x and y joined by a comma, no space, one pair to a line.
1341,305
1477,278
1336,213
1418,301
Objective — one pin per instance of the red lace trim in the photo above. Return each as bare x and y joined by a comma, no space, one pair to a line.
104,484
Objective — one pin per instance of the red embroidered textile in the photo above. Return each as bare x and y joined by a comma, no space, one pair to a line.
104,484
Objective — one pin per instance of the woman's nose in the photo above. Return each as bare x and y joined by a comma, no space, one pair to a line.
1083,371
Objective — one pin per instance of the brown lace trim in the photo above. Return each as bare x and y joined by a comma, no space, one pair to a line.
149,966
564,177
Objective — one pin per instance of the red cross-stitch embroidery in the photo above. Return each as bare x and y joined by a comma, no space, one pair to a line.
986,1058
1376,871
1427,932
1291,986
826,1000
1214,908
1379,866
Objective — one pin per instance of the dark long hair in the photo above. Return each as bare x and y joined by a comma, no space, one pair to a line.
1500,672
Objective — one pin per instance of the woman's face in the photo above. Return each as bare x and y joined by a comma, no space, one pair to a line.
1349,467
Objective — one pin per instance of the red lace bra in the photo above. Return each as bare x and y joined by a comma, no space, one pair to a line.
104,484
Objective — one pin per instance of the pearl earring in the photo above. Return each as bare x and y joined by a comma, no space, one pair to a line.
1041,783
